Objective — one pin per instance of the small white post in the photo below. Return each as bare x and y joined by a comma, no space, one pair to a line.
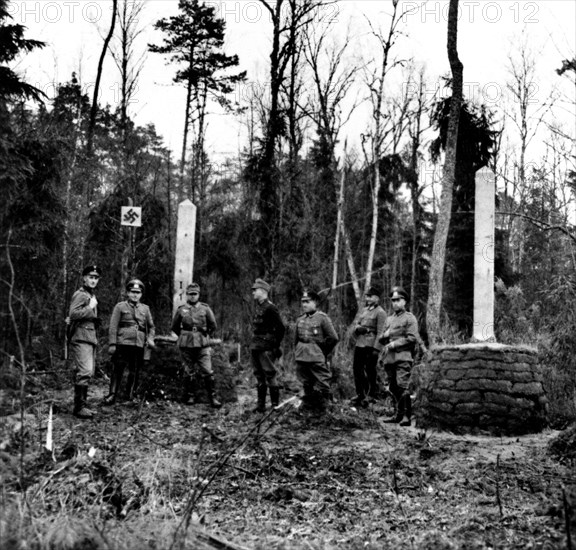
49,443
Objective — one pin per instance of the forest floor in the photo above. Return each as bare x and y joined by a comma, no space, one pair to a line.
159,474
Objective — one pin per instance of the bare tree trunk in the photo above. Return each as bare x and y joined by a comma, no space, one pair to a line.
185,138
127,252
375,208
94,108
66,241
434,306
415,192
376,146
128,62
286,29
350,262
340,205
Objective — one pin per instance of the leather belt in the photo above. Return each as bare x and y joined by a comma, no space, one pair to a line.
128,324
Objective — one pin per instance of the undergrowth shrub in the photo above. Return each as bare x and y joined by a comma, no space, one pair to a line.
549,326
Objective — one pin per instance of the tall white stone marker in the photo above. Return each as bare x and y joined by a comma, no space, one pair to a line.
483,328
184,261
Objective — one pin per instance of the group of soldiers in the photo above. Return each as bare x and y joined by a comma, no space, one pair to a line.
380,339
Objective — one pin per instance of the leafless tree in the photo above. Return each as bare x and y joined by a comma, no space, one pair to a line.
434,306
332,79
416,87
289,18
526,114
376,84
127,56
94,109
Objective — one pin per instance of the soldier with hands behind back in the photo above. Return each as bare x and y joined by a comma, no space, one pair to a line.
131,331
315,339
194,323
399,340
369,325
83,339
267,334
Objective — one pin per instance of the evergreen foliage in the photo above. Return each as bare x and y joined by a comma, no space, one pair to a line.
477,140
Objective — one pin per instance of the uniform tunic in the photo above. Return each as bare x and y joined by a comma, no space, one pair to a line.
194,323
315,339
131,325
371,321
402,336
83,337
267,326
267,334
402,330
131,328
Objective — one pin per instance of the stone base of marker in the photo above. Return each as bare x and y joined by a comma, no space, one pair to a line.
161,378
482,387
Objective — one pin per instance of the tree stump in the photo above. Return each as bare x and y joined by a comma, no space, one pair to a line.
485,387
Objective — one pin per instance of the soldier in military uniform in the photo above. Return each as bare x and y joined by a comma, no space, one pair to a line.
82,338
399,340
131,330
315,339
369,325
268,332
194,323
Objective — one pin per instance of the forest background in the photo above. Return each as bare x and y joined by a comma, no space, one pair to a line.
311,196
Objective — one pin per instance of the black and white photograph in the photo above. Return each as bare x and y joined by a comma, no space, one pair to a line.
287,275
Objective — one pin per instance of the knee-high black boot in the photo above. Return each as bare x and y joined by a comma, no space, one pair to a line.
261,405
131,383
81,409
209,383
372,376
359,382
274,396
188,396
407,416
115,384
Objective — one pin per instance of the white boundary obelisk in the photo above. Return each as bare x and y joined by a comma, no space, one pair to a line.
483,329
184,260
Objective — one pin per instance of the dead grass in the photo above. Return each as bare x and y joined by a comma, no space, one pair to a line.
135,476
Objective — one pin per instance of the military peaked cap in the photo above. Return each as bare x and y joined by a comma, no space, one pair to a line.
373,291
261,283
308,294
135,284
399,292
91,270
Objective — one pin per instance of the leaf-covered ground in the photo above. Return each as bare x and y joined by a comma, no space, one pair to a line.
160,474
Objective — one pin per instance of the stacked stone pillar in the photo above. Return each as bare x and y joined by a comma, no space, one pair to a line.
482,387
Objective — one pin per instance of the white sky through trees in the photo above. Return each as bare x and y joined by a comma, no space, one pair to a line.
488,31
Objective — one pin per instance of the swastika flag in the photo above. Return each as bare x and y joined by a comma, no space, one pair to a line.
131,215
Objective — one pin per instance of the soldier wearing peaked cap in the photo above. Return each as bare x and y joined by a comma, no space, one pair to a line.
369,325
131,330
82,338
267,334
399,340
315,339
195,323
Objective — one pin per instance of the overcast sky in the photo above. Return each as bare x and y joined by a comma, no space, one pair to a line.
488,31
